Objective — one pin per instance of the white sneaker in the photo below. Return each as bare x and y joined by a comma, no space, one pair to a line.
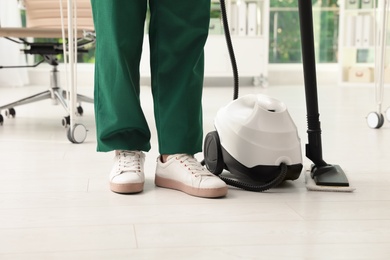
184,173
127,175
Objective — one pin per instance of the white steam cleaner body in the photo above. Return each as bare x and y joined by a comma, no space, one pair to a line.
254,136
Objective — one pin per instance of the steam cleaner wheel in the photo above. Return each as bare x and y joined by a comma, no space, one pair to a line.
213,153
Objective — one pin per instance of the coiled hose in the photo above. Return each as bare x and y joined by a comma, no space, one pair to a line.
258,188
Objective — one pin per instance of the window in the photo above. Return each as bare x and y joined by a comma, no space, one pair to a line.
284,37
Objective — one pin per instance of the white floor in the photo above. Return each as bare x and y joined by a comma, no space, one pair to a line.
55,202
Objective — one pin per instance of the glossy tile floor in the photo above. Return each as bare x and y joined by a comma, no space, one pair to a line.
55,202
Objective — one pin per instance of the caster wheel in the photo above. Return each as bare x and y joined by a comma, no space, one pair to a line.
10,112
213,153
65,121
1,119
387,113
80,110
78,134
375,120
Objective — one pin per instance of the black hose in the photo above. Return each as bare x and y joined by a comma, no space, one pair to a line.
230,48
258,188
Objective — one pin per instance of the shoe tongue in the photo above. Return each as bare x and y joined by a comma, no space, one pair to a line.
171,156
178,156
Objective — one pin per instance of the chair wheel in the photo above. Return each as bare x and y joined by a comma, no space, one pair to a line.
78,134
80,110
387,113
213,153
10,112
65,121
375,120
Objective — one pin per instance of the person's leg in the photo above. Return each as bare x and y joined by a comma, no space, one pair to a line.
120,122
178,32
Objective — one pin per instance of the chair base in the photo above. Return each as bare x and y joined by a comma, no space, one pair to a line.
55,93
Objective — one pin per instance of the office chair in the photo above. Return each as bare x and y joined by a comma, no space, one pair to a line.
43,20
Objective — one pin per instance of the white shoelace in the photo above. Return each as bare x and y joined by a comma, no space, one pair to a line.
129,161
193,165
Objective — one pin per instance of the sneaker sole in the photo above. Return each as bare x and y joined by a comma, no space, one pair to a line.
204,193
127,188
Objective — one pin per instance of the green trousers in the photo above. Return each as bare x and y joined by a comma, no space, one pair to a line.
177,33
